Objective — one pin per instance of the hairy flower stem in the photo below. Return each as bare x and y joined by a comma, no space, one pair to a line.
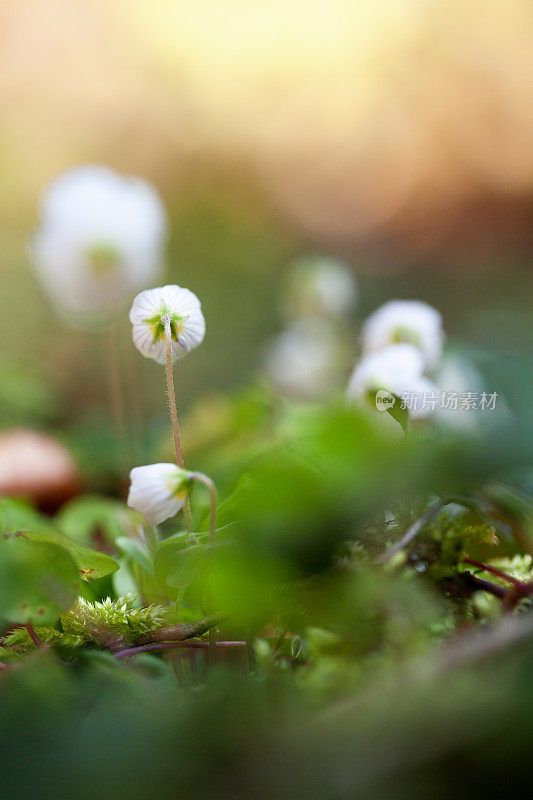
173,412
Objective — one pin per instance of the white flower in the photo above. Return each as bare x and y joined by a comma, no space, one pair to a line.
187,322
457,375
396,369
320,286
303,360
409,321
99,240
158,491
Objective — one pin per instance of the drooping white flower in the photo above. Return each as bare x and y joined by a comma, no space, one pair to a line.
303,361
187,322
158,491
99,240
319,286
398,370
405,321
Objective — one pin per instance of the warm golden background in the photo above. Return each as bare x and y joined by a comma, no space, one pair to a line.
396,135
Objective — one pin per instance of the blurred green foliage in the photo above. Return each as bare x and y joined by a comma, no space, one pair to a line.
358,667
370,589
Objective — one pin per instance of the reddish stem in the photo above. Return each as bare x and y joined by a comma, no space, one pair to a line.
143,648
494,571
35,639
486,586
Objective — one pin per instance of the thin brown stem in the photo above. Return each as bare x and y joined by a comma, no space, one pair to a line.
35,639
173,411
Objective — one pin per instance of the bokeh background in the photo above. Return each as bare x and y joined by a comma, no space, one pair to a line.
396,136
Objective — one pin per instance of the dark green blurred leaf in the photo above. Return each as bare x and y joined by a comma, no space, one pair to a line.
91,564
38,580
85,516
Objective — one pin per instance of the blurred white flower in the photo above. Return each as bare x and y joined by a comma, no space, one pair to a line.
405,321
396,369
158,491
303,361
99,240
458,375
187,322
319,286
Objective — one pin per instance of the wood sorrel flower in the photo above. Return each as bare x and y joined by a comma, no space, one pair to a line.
99,240
181,308
159,491
405,321
397,370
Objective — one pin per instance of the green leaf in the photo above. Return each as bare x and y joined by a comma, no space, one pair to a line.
176,566
91,564
134,550
83,517
228,509
401,415
38,580
17,515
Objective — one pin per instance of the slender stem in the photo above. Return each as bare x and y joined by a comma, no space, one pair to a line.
35,639
279,641
171,392
411,532
173,412
498,572
201,478
143,648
